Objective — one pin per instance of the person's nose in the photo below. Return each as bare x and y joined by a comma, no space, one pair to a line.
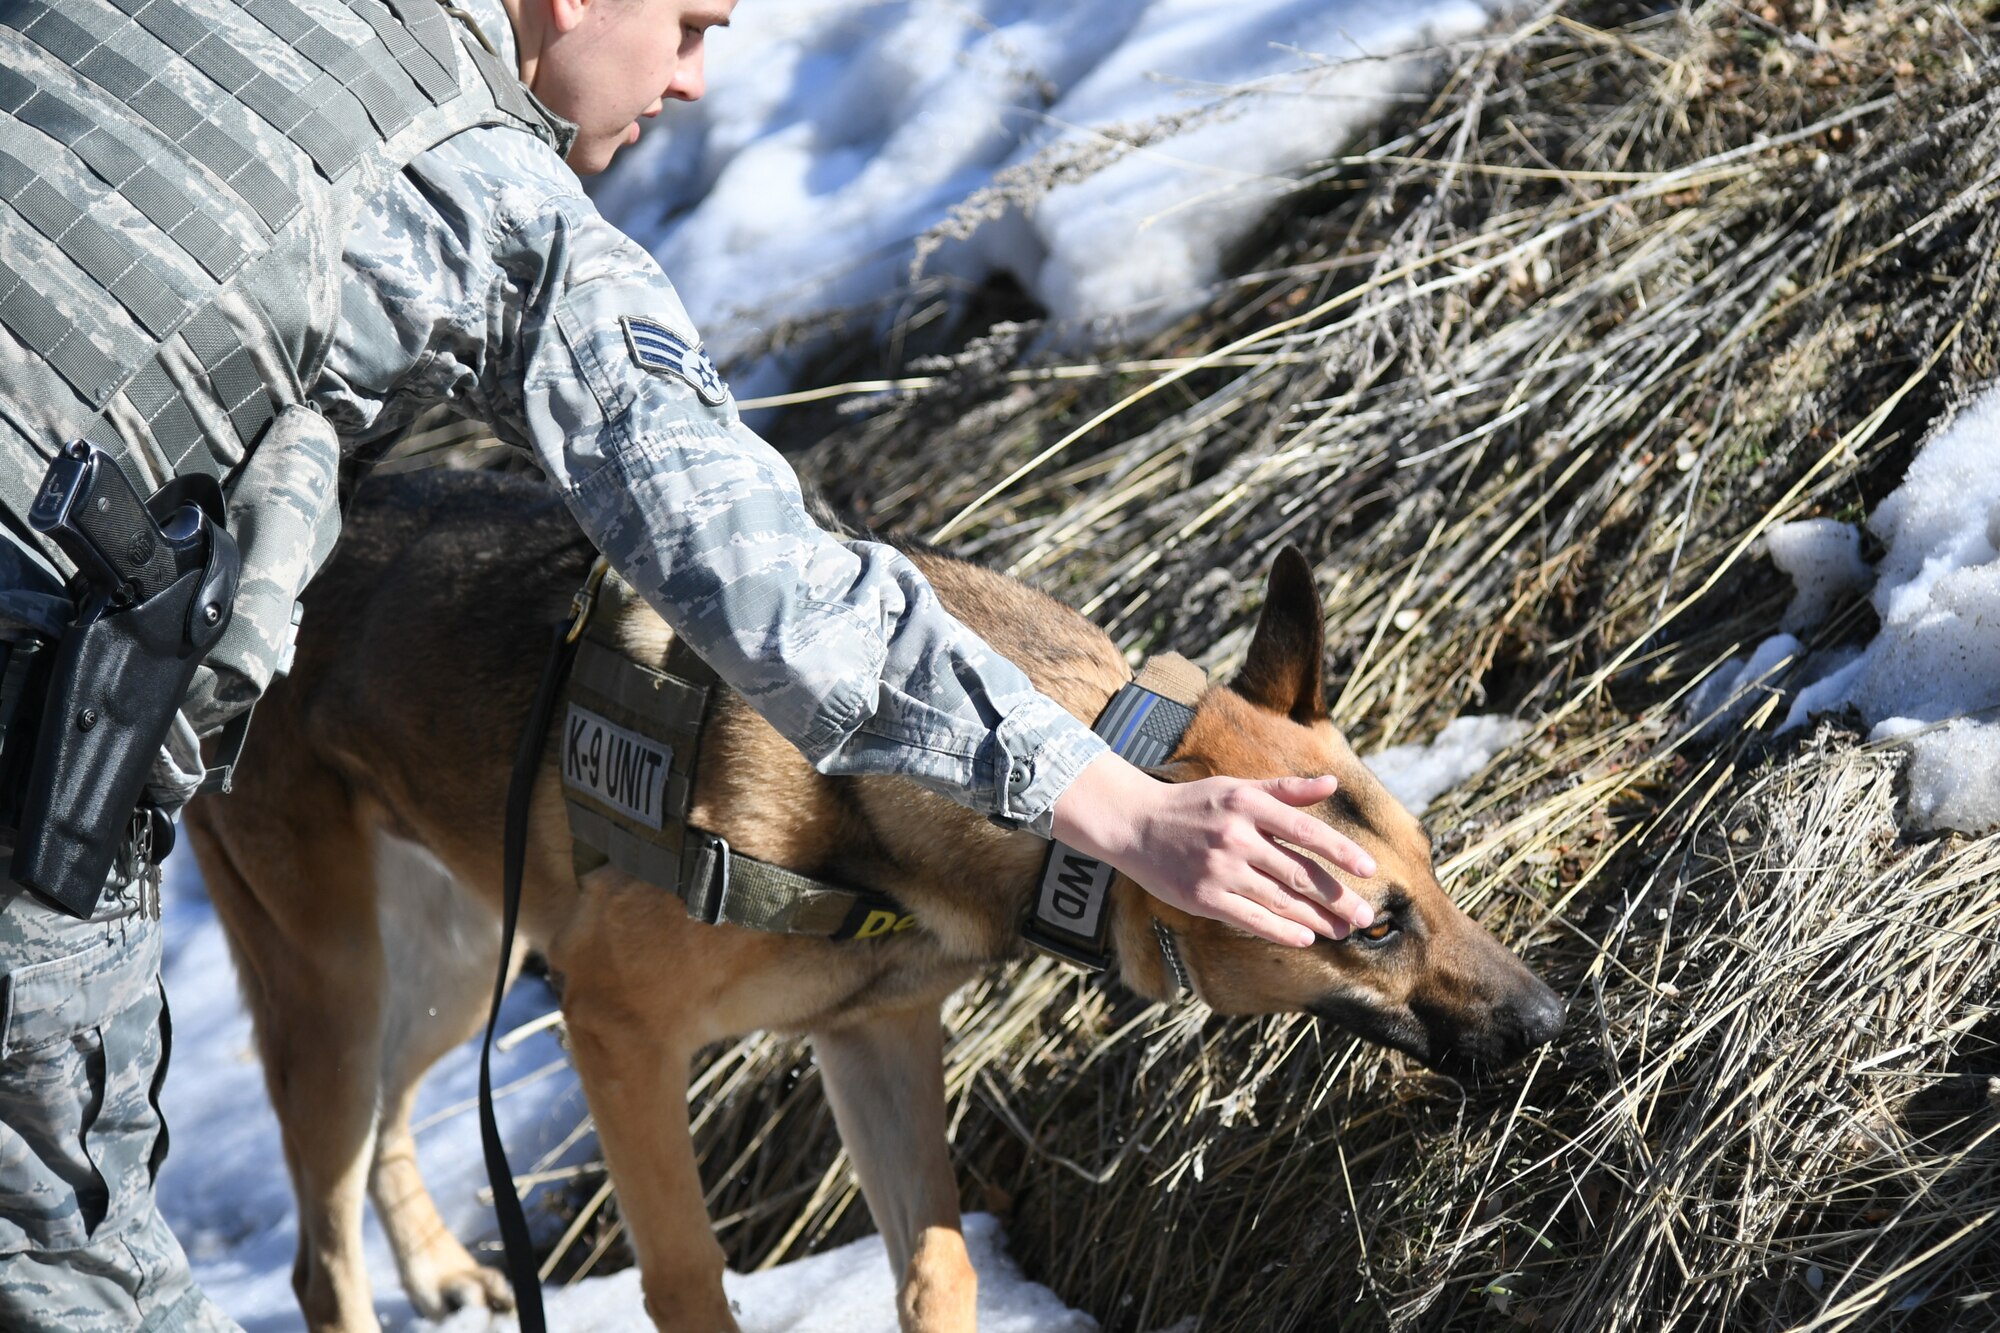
689,82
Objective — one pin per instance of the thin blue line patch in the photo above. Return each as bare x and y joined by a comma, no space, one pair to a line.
657,347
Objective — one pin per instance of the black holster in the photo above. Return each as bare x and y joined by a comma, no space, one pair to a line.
118,677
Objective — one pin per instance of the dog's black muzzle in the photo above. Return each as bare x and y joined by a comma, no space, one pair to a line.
1454,1040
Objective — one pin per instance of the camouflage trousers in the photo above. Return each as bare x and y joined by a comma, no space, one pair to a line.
84,1038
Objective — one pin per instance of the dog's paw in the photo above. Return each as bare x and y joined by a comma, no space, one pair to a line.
474,1287
940,1290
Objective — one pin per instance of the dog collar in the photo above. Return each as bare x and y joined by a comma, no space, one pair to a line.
1143,723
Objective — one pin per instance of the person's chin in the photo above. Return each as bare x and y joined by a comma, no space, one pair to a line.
593,153
590,155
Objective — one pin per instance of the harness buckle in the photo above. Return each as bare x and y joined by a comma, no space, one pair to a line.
581,604
708,898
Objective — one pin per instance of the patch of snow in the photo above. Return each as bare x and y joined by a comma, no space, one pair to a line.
1418,773
1954,777
1822,684
1734,689
847,1290
224,1187
837,132
1823,557
1931,675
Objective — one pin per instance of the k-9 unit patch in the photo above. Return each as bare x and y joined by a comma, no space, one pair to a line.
657,347
621,768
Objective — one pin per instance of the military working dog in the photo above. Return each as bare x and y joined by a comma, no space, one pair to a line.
357,869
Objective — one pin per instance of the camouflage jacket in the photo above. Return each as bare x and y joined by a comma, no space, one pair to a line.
484,278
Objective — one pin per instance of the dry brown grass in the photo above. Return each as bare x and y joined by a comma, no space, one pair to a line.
1527,376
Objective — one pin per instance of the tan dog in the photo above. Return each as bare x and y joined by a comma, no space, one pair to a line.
396,732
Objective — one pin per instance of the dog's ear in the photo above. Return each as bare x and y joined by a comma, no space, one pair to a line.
1284,670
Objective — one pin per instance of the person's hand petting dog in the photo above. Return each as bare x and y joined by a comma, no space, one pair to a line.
1228,848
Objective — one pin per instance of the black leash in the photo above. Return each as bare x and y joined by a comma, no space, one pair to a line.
522,1271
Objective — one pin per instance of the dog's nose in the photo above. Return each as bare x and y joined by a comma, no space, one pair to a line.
1541,1016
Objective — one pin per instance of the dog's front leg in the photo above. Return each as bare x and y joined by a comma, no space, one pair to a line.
885,1079
636,1084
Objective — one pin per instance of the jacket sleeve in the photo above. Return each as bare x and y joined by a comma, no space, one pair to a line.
484,278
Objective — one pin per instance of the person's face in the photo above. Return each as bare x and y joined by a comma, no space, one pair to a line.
606,63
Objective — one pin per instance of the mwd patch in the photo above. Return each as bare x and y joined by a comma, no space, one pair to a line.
1144,723
659,348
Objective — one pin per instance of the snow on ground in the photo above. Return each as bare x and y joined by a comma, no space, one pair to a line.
1931,675
842,1291
1419,773
835,132
224,1188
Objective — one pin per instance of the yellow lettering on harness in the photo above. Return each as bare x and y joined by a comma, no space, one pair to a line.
881,921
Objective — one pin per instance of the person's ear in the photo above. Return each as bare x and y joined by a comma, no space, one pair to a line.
565,15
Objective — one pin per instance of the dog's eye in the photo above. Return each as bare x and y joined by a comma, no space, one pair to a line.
1381,932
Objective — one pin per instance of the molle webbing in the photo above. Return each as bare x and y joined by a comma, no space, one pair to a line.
432,57
232,376
109,261
173,427
114,62
1143,723
389,92
44,328
332,132
121,167
509,93
233,385
166,167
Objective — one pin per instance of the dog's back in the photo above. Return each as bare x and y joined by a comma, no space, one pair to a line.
429,543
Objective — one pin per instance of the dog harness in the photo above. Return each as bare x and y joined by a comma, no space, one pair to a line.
629,738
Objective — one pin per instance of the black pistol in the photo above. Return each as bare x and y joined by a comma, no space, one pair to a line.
156,581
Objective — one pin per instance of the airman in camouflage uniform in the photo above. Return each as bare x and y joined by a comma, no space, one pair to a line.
480,276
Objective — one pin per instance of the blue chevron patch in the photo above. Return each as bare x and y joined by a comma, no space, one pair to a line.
659,348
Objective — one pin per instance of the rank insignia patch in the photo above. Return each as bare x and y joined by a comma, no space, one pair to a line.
657,347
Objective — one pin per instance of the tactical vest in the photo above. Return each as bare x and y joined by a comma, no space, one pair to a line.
177,180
